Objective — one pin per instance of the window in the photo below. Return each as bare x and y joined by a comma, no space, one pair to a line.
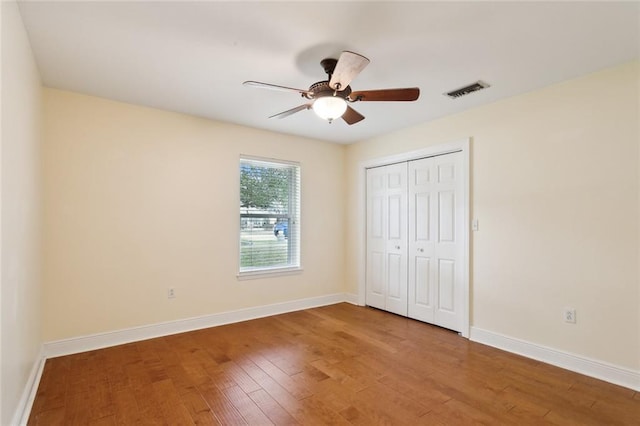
269,216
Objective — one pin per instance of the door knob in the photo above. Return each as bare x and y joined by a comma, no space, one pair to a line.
421,250
397,247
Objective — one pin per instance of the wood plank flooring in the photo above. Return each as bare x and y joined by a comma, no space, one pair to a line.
339,364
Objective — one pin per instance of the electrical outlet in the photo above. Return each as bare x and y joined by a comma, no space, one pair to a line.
171,293
569,315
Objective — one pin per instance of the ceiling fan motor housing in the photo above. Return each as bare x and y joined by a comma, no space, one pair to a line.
321,89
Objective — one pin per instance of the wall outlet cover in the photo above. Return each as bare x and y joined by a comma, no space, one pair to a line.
569,315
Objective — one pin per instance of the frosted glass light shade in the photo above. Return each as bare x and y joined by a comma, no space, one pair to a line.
329,107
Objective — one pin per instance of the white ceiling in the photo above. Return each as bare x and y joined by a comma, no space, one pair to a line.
192,57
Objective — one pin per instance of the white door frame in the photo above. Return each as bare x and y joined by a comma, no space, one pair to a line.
463,146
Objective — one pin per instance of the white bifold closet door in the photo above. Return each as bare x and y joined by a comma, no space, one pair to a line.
386,274
436,246
415,247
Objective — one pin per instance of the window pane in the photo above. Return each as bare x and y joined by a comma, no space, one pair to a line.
264,189
263,243
269,212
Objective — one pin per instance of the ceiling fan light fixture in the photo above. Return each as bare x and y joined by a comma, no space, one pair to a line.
329,107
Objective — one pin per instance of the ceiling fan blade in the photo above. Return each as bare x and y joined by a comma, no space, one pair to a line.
408,94
274,87
291,111
351,116
348,67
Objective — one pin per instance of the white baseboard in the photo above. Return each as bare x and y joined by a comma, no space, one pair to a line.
135,334
23,410
579,364
351,298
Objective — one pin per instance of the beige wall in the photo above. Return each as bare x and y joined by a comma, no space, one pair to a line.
20,211
139,200
555,189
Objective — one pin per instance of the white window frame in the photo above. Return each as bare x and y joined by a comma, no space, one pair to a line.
294,232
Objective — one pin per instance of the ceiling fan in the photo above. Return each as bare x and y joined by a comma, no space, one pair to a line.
330,98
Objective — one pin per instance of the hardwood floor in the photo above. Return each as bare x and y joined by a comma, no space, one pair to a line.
338,364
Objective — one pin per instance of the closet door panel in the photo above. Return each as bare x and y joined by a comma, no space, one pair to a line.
446,285
421,245
435,246
446,216
449,247
396,243
376,237
421,268
387,238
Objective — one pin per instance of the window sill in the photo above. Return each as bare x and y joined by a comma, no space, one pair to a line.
268,273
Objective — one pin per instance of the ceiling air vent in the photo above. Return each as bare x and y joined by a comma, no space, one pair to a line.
474,87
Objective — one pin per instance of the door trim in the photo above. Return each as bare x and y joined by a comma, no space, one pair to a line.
463,146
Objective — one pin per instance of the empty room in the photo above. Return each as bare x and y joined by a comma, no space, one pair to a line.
317,212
